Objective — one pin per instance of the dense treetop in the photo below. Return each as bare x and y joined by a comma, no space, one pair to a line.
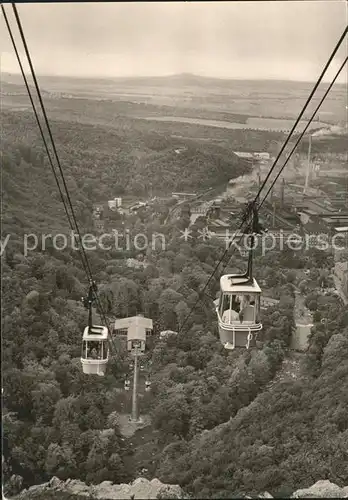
219,428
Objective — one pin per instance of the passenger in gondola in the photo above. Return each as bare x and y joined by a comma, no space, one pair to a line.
94,353
236,303
231,315
243,308
248,310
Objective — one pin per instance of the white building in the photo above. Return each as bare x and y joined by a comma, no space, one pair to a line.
115,203
167,333
136,264
242,154
262,156
340,245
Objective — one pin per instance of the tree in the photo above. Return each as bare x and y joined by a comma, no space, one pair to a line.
60,461
172,415
45,398
182,312
121,297
167,303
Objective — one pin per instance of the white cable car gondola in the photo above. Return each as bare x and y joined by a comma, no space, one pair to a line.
95,350
238,310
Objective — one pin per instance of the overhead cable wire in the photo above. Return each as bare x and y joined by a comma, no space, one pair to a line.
301,135
35,112
84,258
19,24
305,129
40,129
303,110
270,172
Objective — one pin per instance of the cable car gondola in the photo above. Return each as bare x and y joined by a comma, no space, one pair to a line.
95,350
238,309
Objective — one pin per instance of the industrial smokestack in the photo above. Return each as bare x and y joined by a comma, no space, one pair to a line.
308,165
282,193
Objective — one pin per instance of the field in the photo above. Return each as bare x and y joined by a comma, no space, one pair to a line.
271,124
191,96
158,135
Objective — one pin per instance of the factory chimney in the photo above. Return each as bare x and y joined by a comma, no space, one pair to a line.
282,193
308,165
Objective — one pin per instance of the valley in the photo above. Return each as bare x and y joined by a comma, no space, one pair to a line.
220,422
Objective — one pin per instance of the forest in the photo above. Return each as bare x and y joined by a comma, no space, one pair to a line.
119,153
218,428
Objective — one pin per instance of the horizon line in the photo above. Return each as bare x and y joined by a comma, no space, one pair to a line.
168,75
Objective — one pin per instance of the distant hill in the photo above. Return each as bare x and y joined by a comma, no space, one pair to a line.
181,79
258,98
19,88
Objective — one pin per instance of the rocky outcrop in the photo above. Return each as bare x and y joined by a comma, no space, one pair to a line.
322,489
140,489
144,489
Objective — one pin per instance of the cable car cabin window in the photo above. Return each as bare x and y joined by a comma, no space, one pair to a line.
104,350
250,308
230,310
247,313
240,308
84,349
94,349
257,309
236,303
225,303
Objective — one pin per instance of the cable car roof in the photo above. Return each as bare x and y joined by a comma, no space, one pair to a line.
124,323
233,284
96,333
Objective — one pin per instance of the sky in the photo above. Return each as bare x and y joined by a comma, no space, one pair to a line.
286,40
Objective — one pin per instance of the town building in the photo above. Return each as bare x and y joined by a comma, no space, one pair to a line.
183,196
167,333
254,156
262,156
115,203
137,206
136,264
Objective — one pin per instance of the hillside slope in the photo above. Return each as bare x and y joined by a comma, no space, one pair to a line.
289,436
102,161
